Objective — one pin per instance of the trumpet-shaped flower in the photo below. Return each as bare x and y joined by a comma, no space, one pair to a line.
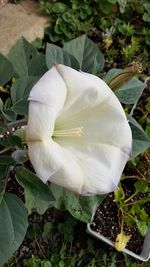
77,134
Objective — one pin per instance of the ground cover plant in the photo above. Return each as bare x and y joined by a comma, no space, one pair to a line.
19,71
120,27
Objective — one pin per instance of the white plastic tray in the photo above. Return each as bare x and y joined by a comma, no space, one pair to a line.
145,254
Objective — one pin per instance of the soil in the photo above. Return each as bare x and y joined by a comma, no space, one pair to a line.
107,221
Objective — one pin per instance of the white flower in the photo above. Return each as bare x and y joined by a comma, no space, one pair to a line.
77,133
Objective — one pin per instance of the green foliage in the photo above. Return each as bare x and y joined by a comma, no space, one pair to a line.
87,54
37,194
131,49
140,140
131,209
25,59
57,55
130,22
69,252
13,225
6,70
79,207
20,71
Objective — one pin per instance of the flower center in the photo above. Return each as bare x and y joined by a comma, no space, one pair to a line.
74,132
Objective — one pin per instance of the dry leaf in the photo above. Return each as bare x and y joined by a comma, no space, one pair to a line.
121,241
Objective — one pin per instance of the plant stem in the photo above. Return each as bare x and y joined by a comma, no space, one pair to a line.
135,202
18,123
133,195
123,211
7,177
5,150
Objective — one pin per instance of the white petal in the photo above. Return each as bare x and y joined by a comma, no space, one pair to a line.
102,165
105,145
102,117
83,92
47,98
56,164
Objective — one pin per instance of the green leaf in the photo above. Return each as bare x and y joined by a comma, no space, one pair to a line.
141,186
34,185
146,17
143,215
84,206
13,225
119,195
21,55
58,7
47,264
11,141
56,55
9,114
135,209
15,141
20,92
131,91
79,207
87,54
2,130
128,220
142,227
6,111
2,190
3,170
6,70
147,7
7,160
140,141
37,66
58,192
21,88
35,203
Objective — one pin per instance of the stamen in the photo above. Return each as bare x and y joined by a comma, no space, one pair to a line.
74,132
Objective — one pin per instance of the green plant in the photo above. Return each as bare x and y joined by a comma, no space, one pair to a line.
19,71
69,19
130,50
130,210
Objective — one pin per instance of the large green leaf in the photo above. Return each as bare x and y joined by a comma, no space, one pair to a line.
80,207
6,70
37,66
2,190
13,225
20,92
11,141
7,160
87,54
34,185
3,171
21,55
140,140
131,91
56,55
